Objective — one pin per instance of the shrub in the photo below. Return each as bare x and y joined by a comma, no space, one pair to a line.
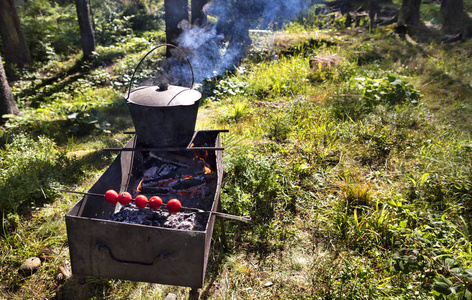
251,185
227,87
388,90
83,121
31,172
50,29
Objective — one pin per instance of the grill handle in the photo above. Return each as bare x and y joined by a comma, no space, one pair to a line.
102,250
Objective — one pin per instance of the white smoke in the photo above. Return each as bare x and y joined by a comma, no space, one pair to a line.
219,46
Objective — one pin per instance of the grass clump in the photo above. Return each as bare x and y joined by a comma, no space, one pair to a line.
32,172
286,76
254,186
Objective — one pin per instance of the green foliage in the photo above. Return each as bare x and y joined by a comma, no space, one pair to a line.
286,76
228,86
359,101
49,29
145,16
389,90
126,66
258,185
251,186
431,12
85,121
348,104
439,249
383,134
114,28
41,122
239,109
337,72
278,128
448,182
363,223
59,120
114,20
32,172
317,17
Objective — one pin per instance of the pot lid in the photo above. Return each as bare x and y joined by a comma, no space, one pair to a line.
167,95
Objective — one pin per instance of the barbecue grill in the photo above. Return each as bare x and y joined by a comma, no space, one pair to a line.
102,246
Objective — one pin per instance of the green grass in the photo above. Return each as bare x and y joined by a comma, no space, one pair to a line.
358,177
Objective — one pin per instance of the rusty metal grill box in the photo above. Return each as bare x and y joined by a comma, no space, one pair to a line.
102,248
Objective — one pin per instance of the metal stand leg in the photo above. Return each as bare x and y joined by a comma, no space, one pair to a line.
82,288
194,294
223,230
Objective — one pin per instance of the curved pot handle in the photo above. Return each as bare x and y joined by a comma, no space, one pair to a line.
142,59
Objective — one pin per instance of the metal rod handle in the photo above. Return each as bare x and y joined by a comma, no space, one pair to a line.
142,59
164,149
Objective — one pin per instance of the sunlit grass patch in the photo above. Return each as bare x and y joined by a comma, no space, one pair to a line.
234,110
285,76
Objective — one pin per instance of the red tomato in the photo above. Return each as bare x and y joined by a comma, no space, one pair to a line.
173,206
155,202
125,198
111,196
141,201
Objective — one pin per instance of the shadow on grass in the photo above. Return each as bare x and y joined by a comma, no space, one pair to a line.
81,127
62,80
79,288
419,33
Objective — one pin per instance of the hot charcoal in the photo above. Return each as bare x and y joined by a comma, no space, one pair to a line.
183,175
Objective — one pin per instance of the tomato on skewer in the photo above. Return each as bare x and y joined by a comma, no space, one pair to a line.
155,202
173,206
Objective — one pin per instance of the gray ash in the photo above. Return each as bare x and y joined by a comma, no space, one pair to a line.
182,220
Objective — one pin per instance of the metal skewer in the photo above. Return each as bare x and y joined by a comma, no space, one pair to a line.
216,213
163,149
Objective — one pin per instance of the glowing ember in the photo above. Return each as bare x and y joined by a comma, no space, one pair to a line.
140,188
186,176
206,167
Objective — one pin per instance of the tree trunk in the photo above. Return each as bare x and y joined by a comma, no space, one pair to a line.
175,12
7,103
345,6
409,14
198,16
14,44
372,7
86,32
452,12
